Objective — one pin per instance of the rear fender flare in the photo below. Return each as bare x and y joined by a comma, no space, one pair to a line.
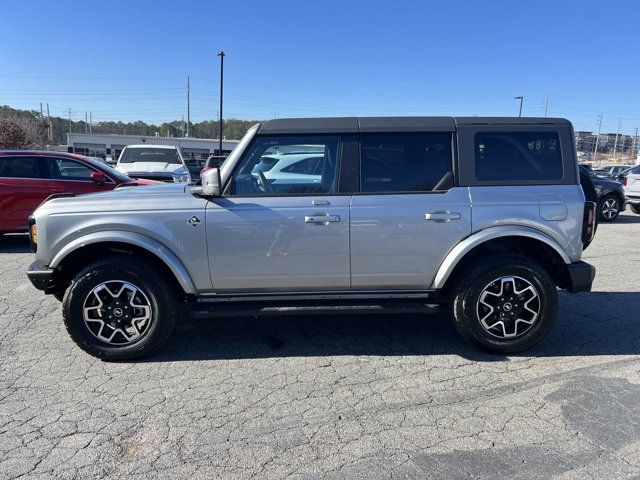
465,246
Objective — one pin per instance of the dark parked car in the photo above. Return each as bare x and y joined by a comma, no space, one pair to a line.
29,177
611,196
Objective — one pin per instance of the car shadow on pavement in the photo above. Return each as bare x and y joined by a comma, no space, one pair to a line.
15,243
632,218
598,323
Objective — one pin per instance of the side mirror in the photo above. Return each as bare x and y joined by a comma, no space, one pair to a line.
99,178
211,182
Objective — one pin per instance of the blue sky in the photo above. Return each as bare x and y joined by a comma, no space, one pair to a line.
126,60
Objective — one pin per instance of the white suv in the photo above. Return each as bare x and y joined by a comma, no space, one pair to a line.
154,162
632,189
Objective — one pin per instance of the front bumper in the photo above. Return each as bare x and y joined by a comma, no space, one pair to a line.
633,200
580,277
40,276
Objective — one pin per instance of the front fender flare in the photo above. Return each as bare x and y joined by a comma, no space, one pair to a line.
152,246
466,245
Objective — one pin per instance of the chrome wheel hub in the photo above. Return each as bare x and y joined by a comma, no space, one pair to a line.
117,312
508,307
610,208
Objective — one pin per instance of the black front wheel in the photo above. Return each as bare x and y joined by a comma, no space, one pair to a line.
505,304
635,209
120,308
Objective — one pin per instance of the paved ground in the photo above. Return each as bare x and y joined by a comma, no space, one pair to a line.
347,397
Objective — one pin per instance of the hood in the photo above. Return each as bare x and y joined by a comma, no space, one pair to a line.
124,198
149,167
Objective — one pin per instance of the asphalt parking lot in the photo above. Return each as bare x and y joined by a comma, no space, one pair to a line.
337,397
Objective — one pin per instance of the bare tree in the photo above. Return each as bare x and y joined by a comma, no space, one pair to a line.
21,133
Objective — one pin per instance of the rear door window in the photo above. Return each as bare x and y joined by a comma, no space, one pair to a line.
518,156
406,162
20,167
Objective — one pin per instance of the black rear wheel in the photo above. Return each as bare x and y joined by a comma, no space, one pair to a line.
609,208
635,209
505,304
120,308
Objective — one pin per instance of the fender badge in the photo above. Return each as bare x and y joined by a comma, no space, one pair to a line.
193,221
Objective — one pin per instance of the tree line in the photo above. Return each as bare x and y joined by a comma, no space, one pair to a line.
38,127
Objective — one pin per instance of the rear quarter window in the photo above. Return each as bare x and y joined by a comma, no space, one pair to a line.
518,156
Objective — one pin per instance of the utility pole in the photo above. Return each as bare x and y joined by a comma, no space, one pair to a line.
50,137
41,113
595,151
188,106
221,55
615,144
86,122
546,106
69,120
90,123
521,102
634,152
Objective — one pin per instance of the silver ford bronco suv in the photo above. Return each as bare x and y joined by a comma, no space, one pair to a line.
484,216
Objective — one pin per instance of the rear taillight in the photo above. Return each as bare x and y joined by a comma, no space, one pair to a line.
624,181
589,222
33,234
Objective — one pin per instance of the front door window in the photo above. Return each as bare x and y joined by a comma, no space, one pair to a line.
292,165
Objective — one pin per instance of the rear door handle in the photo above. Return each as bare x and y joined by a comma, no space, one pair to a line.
321,218
442,216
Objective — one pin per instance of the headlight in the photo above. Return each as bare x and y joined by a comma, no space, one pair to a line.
184,178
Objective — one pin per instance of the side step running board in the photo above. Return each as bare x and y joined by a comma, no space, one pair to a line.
208,310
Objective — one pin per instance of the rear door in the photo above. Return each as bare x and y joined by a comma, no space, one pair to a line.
23,186
632,187
408,213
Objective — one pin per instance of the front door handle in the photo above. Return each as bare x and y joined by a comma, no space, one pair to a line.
321,218
442,216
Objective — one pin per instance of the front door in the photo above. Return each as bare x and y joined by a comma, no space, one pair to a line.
281,224
71,176
408,214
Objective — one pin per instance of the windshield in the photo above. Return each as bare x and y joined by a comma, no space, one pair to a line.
160,155
109,170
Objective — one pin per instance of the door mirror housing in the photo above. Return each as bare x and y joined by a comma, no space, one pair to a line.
99,178
211,182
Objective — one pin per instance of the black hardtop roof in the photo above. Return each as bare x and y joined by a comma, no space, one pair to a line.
392,124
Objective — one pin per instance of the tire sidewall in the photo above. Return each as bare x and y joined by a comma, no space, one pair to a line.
548,296
74,302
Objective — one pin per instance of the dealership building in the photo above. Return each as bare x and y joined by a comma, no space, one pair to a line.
110,145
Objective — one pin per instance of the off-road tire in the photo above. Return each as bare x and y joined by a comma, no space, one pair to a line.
160,291
466,292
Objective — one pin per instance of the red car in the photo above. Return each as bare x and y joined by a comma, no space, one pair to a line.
29,177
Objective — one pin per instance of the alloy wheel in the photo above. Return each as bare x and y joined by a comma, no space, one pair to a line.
508,307
117,312
610,208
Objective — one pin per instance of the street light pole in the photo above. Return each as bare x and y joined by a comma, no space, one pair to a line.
221,55
521,102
